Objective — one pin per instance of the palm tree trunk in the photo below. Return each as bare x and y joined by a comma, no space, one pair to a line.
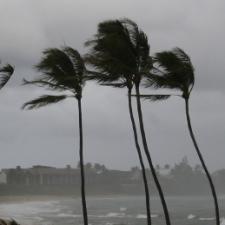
82,175
202,162
147,198
158,186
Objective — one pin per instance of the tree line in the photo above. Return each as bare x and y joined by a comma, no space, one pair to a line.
118,56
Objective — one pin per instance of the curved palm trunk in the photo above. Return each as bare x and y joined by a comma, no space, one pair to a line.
202,162
82,175
147,198
161,195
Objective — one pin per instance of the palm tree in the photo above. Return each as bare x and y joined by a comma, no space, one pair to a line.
5,74
174,70
124,81
63,70
121,49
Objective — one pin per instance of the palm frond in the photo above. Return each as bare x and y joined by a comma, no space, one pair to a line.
5,74
173,70
77,60
59,68
46,84
115,85
43,101
119,49
154,97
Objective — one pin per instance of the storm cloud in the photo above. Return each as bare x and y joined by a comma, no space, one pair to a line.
49,135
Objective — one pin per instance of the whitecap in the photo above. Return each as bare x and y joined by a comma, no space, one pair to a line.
141,216
113,214
191,216
122,209
222,221
68,215
154,215
206,218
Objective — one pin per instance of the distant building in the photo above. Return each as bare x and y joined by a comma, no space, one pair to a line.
45,176
3,178
39,175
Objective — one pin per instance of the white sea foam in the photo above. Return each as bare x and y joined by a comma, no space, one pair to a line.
154,215
144,216
191,216
110,215
206,218
28,208
222,221
114,214
123,209
141,216
68,215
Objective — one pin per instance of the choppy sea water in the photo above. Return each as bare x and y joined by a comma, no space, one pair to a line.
113,210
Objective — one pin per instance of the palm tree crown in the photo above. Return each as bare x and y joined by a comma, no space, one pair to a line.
62,70
120,50
173,70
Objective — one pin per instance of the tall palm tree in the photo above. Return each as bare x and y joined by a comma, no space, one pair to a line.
5,74
63,70
174,70
121,49
124,81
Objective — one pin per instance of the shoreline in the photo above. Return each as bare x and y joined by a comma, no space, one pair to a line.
31,198
42,198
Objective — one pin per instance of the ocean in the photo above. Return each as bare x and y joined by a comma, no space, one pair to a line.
113,210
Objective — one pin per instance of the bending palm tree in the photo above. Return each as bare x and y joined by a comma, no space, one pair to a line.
121,49
175,71
63,70
126,81
5,74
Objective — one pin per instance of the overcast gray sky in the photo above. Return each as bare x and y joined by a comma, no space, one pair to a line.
49,135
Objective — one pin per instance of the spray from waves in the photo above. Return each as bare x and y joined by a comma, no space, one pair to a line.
123,209
206,218
66,215
144,216
222,221
114,214
191,216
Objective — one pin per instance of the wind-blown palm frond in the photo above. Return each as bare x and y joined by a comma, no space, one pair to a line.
154,97
78,63
177,71
46,84
61,70
43,101
63,67
5,74
115,85
119,49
